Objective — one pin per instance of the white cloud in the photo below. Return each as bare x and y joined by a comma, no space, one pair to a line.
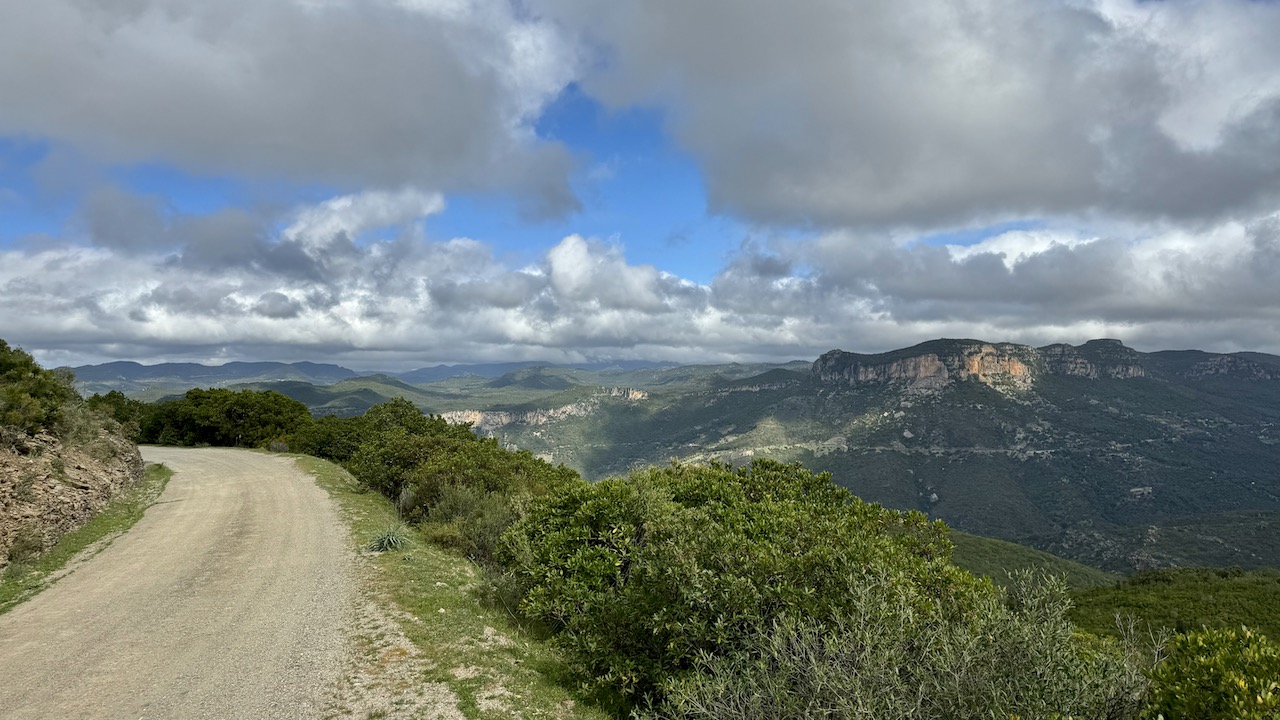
352,93
353,215
883,114
408,301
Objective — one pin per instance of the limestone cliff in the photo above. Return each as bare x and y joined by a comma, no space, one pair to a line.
1232,366
1005,366
933,365
1094,359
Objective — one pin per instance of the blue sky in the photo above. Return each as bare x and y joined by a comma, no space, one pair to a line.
394,183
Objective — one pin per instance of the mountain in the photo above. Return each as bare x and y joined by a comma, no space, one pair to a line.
437,373
1121,459
151,382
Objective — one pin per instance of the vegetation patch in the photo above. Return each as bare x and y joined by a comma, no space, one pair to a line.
1186,599
31,573
998,560
496,666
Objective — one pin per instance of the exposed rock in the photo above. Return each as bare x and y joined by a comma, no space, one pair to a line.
48,489
486,421
1233,366
932,366
1005,366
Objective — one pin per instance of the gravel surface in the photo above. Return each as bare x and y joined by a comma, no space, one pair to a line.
229,599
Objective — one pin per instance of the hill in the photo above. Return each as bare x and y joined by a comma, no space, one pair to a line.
1185,599
152,382
996,559
1099,453
1120,459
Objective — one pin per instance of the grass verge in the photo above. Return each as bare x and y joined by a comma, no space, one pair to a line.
495,668
22,580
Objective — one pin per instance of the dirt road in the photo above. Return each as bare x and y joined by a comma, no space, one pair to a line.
227,600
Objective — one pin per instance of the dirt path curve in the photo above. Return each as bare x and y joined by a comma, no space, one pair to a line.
227,600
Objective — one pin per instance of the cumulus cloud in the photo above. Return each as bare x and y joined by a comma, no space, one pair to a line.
403,299
347,92
880,114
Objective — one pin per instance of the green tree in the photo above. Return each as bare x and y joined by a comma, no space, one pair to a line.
32,398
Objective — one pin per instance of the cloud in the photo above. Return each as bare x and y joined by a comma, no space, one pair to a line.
349,93
235,288
353,215
876,114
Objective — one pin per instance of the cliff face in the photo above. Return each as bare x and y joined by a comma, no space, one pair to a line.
1004,366
1232,366
48,489
934,365
487,421
1095,359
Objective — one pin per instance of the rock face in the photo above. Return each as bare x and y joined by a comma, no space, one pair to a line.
933,365
1094,359
1005,366
48,489
1232,366
486,421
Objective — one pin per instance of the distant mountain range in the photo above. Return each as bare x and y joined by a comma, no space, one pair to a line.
151,382
1116,458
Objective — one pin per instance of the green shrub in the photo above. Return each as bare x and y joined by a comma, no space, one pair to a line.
643,575
472,520
466,490
247,418
1217,674
329,437
26,545
32,398
395,537
884,661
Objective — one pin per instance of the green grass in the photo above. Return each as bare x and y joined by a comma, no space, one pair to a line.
22,580
441,601
996,559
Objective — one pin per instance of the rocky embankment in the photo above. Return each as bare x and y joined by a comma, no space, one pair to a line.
48,489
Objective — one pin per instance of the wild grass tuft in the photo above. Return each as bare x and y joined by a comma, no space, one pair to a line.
395,537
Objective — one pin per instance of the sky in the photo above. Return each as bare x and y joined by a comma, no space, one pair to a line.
389,184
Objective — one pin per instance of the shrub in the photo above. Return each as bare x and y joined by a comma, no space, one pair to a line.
247,418
31,398
27,544
640,576
329,437
1217,673
392,538
1006,659
465,489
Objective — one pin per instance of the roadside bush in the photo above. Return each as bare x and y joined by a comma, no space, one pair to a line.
1217,674
886,661
31,398
329,437
464,490
643,575
247,418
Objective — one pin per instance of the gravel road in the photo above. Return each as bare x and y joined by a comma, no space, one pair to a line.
229,599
